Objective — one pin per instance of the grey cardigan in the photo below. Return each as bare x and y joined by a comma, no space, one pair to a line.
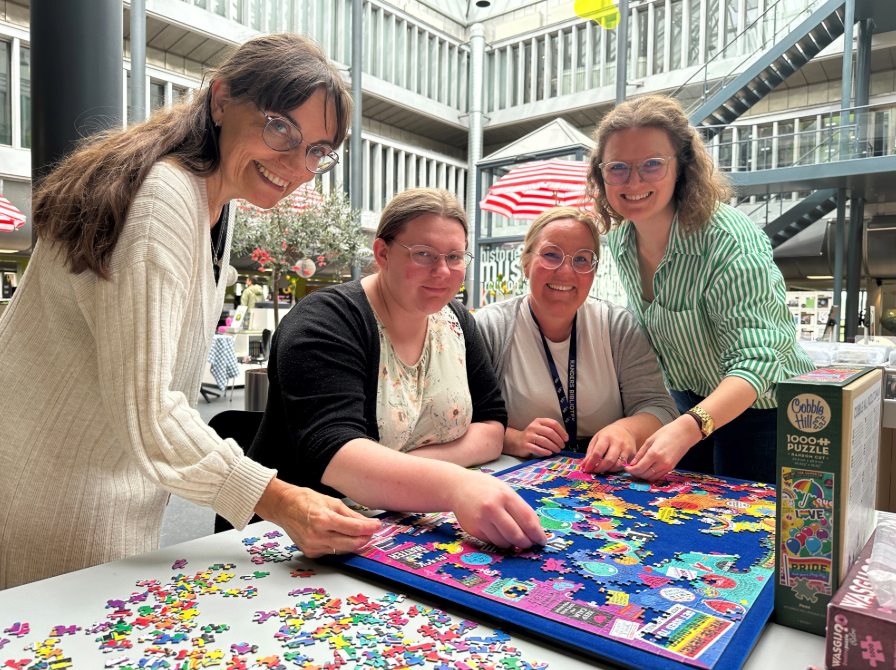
637,369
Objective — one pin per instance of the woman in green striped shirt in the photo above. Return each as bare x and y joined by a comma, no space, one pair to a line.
700,277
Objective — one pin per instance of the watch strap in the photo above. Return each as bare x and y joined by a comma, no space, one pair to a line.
704,421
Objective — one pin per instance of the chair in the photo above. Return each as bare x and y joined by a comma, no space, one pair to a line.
241,349
266,343
242,427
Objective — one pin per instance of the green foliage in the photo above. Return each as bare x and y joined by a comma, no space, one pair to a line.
301,233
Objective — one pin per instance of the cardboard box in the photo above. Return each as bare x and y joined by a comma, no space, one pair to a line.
828,434
861,633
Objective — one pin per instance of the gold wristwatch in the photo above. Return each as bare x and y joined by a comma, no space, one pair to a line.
704,420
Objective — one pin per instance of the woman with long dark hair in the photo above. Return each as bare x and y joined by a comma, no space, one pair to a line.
103,347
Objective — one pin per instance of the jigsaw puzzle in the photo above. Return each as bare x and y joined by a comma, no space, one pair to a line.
670,571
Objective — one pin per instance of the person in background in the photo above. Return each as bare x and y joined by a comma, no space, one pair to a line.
380,389
610,396
102,350
253,293
701,279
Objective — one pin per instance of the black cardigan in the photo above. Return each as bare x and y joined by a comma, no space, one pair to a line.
323,383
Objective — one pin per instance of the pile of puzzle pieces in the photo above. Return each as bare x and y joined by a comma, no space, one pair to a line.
160,625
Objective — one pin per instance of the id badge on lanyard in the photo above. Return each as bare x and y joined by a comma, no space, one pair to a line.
567,406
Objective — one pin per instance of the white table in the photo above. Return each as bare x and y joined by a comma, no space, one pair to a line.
79,598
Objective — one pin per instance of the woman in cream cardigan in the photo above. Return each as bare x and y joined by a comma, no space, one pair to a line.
102,349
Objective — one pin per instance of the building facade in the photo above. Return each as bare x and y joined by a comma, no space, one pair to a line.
539,62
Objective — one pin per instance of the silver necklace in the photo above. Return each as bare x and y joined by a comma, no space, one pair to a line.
218,249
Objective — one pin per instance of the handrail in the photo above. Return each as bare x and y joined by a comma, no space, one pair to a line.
736,42
848,137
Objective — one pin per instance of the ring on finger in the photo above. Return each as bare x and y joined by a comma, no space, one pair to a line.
653,471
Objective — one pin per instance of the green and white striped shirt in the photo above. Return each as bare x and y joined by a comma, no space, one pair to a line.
719,309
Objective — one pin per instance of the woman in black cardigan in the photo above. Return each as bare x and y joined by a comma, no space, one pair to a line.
381,389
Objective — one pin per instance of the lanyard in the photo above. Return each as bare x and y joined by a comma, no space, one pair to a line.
567,407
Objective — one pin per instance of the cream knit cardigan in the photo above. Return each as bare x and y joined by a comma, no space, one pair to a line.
98,387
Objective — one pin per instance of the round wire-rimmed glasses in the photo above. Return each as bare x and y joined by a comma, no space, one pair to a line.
425,256
552,257
281,135
616,173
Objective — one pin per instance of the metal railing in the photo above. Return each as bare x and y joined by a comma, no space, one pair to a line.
769,28
837,135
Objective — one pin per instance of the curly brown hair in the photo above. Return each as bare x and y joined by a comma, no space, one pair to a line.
700,187
83,203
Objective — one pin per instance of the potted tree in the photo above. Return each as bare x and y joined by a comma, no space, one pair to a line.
299,234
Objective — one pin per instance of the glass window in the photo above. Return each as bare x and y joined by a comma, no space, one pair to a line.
502,78
516,79
567,62
256,14
421,60
785,144
712,28
659,39
555,54
881,127
25,95
731,10
610,58
744,154
490,60
5,94
726,149
527,71
178,95
751,39
694,32
201,3
236,10
675,37
764,146
808,149
642,43
435,69
581,46
219,7
156,96
539,76
595,54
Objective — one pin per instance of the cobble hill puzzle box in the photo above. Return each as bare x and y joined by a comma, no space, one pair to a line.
828,434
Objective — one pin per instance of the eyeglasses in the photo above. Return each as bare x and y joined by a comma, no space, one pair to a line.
281,135
616,173
552,257
426,256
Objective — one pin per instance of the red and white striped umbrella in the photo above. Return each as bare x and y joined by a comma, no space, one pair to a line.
10,218
301,198
528,190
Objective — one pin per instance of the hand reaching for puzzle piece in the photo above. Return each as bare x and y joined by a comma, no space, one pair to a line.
318,524
492,511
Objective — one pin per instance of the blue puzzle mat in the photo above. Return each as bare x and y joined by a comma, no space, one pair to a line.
665,576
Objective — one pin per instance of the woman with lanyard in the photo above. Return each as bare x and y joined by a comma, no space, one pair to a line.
576,373
701,279
103,347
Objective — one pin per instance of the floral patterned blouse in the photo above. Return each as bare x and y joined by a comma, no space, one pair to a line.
429,402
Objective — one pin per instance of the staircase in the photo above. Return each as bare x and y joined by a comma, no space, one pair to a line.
713,98
801,216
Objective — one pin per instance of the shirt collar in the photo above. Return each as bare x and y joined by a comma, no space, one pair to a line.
678,244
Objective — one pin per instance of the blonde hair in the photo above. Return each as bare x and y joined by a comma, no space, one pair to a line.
555,214
699,188
408,205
